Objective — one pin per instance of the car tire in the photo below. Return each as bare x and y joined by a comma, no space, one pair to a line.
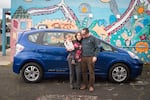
32,72
119,73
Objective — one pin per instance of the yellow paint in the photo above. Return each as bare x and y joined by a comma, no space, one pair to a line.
14,35
84,10
100,31
59,23
140,10
105,1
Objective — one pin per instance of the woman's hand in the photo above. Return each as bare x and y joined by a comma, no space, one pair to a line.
69,49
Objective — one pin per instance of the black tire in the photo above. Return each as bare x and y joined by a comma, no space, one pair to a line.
119,73
32,72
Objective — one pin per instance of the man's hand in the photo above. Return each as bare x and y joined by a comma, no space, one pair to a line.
94,59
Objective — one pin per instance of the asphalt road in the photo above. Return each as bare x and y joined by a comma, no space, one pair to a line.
57,88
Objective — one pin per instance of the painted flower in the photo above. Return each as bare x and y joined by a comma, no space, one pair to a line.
142,47
140,9
143,37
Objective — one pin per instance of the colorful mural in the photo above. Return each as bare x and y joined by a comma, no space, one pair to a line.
123,23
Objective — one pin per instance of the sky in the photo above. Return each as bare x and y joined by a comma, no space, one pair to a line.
4,4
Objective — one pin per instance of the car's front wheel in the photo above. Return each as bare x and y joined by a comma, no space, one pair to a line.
32,72
119,73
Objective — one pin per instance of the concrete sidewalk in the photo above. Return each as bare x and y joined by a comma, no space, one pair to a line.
5,60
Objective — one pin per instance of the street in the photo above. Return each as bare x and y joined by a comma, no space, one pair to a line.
57,88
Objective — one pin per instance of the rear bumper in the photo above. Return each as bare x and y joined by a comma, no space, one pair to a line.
16,66
16,69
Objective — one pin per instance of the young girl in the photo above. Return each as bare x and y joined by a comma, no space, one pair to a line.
70,47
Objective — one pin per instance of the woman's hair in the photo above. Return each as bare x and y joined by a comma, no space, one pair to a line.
77,34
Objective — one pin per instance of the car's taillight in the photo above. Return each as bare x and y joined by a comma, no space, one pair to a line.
19,48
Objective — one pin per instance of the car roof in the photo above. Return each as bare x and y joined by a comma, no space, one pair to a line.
33,30
48,30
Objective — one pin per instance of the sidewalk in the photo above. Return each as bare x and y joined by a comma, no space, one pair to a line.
5,60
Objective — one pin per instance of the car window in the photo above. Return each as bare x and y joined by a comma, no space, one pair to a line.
54,38
33,37
105,46
49,38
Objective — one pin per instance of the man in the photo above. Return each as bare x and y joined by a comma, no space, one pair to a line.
90,52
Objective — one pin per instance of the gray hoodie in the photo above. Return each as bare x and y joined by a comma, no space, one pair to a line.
90,47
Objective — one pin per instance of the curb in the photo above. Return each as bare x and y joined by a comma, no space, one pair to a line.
7,64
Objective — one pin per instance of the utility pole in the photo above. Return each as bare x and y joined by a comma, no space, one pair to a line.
5,11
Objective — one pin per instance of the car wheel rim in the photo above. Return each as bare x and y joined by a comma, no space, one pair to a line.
119,74
31,73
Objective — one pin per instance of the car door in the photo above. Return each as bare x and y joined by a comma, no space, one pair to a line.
54,54
105,57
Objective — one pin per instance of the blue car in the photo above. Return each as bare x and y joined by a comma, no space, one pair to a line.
41,53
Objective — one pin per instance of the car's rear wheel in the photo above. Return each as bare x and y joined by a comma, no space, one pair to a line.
32,72
119,73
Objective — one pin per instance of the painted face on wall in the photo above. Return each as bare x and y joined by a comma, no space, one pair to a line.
118,43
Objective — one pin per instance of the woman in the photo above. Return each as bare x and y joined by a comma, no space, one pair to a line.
75,69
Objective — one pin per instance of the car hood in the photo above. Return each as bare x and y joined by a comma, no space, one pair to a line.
121,50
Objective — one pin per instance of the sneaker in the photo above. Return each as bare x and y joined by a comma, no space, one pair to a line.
83,87
91,89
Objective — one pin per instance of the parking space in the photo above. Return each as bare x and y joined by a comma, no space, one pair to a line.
57,88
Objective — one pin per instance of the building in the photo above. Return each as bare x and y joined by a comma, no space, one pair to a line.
124,23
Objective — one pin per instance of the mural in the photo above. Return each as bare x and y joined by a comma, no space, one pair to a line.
123,23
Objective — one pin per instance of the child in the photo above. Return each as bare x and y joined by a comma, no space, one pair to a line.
70,47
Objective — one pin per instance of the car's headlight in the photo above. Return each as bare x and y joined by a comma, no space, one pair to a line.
132,55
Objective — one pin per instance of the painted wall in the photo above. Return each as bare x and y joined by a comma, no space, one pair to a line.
123,23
